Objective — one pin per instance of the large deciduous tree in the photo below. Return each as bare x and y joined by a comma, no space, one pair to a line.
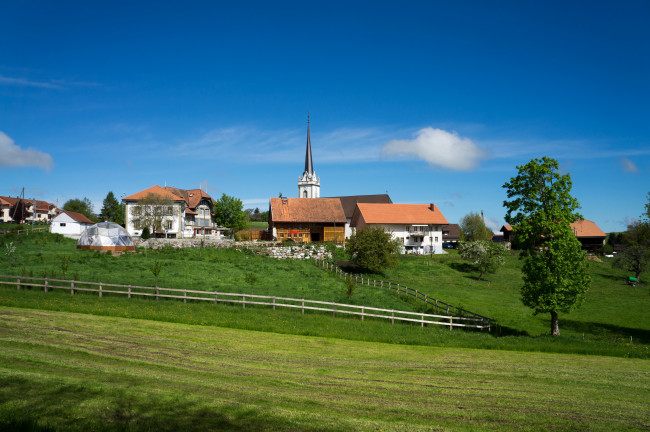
540,209
112,210
228,213
373,249
486,255
472,228
83,206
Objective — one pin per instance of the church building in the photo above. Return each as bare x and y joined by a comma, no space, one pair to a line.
308,183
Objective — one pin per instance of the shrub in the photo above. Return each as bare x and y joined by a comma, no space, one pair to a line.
145,233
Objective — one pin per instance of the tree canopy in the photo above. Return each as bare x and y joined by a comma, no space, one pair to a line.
636,240
486,255
112,210
540,209
373,249
228,213
83,206
472,228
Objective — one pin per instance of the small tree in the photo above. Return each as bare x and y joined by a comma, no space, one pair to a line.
251,279
228,213
541,210
65,265
350,285
373,249
472,228
486,255
145,233
155,268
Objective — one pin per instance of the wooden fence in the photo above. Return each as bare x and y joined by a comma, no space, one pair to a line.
438,306
26,230
22,282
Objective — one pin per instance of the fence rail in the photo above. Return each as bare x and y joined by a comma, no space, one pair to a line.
21,282
26,230
438,306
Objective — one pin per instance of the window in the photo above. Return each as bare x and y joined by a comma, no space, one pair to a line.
304,194
436,239
62,224
168,225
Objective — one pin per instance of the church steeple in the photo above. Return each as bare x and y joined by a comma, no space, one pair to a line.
309,165
308,183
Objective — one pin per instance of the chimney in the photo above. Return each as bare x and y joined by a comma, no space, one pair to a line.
285,200
432,207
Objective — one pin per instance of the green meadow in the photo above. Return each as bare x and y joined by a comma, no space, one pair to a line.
79,362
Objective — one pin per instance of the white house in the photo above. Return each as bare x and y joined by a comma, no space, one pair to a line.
70,224
417,226
26,210
189,213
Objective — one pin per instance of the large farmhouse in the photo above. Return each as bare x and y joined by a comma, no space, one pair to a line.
170,212
418,226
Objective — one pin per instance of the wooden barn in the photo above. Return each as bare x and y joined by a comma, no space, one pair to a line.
307,220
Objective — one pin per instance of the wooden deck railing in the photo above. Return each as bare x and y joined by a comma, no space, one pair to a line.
47,284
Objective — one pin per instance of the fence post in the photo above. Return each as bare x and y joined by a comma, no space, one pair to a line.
451,321
303,306
71,287
273,303
382,284
392,319
129,292
215,299
100,290
18,285
333,311
243,301
389,285
45,286
422,319
362,312
184,296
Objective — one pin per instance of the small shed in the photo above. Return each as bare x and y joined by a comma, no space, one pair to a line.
105,237
70,224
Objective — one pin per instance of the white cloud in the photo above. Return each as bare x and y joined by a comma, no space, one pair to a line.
438,147
12,155
628,165
54,84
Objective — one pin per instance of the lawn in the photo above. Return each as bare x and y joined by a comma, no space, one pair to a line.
67,371
612,314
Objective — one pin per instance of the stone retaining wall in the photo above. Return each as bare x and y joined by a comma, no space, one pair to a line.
270,248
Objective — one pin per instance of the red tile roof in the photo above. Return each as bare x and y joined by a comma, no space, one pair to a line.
78,217
319,210
587,228
349,203
153,190
399,214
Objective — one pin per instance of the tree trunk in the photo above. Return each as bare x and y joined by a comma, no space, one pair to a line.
555,325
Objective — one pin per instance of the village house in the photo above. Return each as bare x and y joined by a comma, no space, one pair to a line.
178,213
70,224
418,226
26,210
591,237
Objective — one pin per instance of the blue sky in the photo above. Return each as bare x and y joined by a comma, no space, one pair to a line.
428,101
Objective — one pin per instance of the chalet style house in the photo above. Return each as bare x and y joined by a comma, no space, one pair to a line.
307,220
170,212
21,210
418,226
591,237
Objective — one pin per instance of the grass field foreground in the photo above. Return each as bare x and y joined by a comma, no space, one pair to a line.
66,371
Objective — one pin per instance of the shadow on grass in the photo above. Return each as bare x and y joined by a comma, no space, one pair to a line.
55,408
608,331
462,267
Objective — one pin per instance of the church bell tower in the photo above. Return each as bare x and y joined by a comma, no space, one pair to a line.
308,183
